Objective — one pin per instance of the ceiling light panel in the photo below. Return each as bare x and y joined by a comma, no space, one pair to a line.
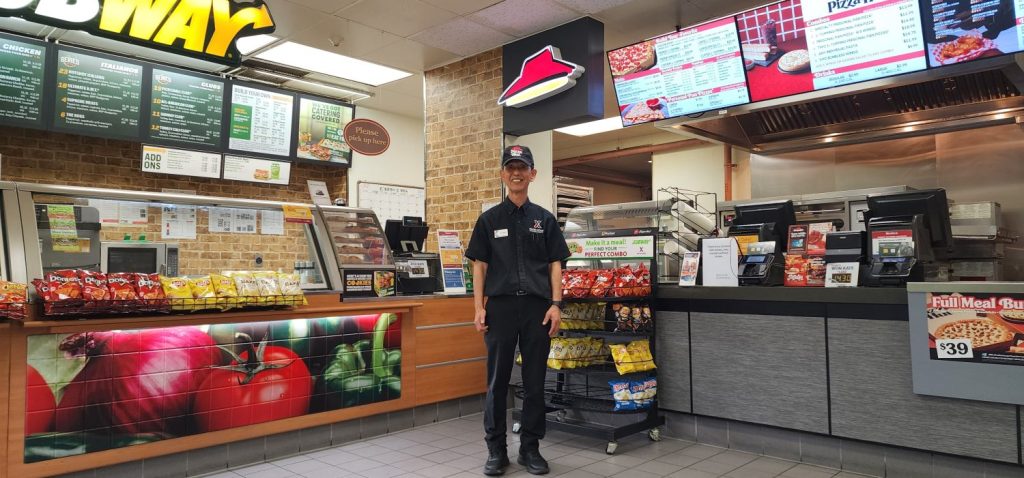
593,127
524,17
321,61
247,45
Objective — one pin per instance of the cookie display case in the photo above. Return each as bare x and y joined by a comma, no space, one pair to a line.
602,376
356,237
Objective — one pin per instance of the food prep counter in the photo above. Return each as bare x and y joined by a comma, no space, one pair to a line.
786,369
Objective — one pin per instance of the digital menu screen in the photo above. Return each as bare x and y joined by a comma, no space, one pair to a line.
799,46
186,108
260,121
693,70
96,95
321,132
22,76
965,30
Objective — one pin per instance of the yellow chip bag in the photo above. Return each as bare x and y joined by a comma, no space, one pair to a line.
268,287
247,287
556,357
640,353
291,287
623,362
178,292
227,294
203,292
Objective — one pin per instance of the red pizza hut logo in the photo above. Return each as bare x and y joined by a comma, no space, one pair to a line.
543,75
516,151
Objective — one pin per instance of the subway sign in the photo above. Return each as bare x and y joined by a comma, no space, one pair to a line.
204,29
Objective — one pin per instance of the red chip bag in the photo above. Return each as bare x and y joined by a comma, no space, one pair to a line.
148,286
94,285
643,281
122,286
579,283
625,283
64,285
603,281
43,290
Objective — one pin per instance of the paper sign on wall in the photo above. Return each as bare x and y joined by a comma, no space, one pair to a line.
178,222
318,193
133,213
450,248
219,220
271,222
297,214
721,262
63,228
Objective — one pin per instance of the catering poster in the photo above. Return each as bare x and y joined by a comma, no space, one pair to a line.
186,108
691,71
798,46
962,30
260,121
22,74
97,96
321,131
985,328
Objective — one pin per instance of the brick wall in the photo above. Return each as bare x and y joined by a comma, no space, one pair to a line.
56,158
463,128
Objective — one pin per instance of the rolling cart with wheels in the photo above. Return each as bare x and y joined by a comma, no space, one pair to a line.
573,395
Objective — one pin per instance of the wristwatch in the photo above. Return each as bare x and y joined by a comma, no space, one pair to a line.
557,303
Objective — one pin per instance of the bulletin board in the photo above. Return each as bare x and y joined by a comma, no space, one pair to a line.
391,201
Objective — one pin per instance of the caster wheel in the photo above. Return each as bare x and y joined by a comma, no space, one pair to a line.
612,446
516,427
654,434
560,415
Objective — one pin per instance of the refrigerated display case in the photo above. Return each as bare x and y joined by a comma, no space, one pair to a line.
356,237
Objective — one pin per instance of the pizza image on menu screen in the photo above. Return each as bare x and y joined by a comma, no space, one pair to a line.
957,31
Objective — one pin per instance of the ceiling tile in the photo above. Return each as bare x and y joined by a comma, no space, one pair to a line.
592,6
524,17
463,37
353,39
290,18
462,7
326,6
401,17
410,56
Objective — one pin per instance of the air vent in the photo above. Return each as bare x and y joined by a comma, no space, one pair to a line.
255,64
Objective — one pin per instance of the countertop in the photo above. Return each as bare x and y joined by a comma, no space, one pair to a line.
853,295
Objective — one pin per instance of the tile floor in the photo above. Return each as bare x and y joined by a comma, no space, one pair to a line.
455,449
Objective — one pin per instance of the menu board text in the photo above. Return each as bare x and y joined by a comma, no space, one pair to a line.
22,71
96,95
186,108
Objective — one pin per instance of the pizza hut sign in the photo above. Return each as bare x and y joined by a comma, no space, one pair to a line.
543,75
367,137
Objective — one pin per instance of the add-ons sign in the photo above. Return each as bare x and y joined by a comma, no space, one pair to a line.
204,29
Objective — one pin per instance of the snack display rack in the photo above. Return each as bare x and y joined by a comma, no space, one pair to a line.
172,305
684,216
577,393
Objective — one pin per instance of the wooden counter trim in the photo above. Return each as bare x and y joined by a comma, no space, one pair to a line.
14,445
436,384
447,311
446,344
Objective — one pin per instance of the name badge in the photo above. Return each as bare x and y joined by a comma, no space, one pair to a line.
500,233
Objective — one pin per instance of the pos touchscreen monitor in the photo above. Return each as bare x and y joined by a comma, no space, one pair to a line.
930,204
406,235
777,216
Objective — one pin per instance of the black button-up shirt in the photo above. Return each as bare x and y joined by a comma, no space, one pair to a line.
518,244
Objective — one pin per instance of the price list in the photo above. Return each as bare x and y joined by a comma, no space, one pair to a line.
22,69
863,42
703,69
261,121
97,96
186,108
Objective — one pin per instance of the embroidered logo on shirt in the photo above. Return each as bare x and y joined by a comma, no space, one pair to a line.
537,227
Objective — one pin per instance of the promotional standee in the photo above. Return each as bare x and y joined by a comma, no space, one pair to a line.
95,391
602,361
984,328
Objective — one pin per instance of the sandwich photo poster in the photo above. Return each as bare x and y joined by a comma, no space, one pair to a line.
321,131
982,328
94,391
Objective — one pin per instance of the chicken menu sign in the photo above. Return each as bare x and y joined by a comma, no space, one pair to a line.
205,29
553,79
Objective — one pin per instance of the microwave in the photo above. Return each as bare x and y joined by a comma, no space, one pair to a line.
144,257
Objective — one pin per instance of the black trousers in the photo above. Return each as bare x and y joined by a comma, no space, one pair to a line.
512,320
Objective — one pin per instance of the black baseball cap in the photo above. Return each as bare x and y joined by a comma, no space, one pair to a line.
517,153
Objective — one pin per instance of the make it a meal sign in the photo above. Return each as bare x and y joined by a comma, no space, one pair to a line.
543,75
629,247
205,29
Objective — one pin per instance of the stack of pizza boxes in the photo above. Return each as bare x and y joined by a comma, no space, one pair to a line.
805,255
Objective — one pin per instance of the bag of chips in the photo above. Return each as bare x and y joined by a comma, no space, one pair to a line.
622,395
623,362
642,392
603,281
557,354
640,352
178,293
64,285
13,297
150,291
94,288
576,283
269,289
121,286
642,286
227,294
203,293
625,282
291,287
247,287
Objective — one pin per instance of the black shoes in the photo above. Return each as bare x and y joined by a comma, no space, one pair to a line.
497,461
534,463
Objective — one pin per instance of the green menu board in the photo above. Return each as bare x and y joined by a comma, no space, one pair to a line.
186,108
97,96
22,69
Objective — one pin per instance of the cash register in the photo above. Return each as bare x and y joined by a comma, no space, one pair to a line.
418,272
763,226
904,229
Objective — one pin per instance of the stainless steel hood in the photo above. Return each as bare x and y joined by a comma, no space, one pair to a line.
984,93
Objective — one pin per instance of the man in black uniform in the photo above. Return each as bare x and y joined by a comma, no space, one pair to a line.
517,251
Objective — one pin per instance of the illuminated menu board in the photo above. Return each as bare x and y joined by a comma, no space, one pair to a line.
260,121
691,71
798,46
959,31
186,108
97,96
22,75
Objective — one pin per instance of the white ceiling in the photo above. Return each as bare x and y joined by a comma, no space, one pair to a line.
418,35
